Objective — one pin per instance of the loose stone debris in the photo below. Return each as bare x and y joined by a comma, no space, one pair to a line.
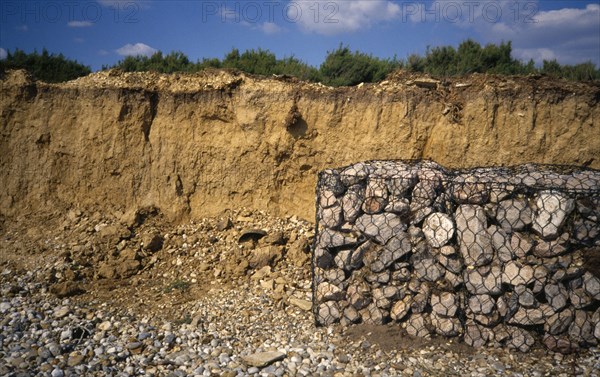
194,308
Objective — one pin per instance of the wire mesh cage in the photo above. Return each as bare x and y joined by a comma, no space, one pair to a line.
498,256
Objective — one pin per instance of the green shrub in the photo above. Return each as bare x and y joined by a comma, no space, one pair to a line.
580,72
173,62
343,67
45,66
471,57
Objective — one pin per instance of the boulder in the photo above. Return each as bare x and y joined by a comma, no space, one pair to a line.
513,214
552,209
328,313
264,256
534,316
444,304
582,329
152,241
401,308
483,280
519,339
351,204
559,322
262,359
438,229
328,292
332,217
556,295
419,325
473,238
374,315
501,243
476,335
381,227
516,273
560,344
482,304
445,326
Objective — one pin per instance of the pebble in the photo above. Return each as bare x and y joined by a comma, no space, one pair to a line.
144,335
4,307
262,359
61,312
75,360
134,345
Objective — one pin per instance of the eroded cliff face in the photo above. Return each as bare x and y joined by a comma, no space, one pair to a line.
194,145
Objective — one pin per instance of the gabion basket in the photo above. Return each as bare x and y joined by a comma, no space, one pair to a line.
500,256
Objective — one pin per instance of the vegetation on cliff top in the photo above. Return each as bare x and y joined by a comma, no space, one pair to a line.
342,67
45,66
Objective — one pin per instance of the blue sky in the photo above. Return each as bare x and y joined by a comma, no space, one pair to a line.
104,31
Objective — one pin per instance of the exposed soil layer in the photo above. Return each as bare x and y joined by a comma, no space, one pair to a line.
144,194
193,145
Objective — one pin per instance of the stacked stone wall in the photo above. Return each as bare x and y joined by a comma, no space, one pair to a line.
496,256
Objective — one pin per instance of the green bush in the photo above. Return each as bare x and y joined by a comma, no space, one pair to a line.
259,62
173,62
264,62
415,63
471,57
343,67
45,66
580,72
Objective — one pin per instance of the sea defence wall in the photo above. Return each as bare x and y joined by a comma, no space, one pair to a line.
500,256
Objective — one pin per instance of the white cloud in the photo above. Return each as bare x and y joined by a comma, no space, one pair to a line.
537,54
567,16
335,17
562,24
78,40
3,53
569,35
248,19
79,24
136,50
270,28
22,28
103,52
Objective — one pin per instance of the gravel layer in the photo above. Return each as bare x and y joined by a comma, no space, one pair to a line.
45,336
261,314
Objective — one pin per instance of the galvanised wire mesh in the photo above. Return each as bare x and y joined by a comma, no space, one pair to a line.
496,256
